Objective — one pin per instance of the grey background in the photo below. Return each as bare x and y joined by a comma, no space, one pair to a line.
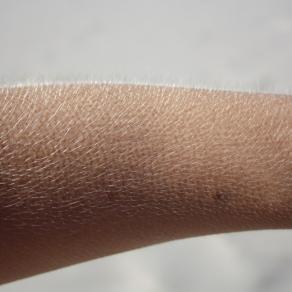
241,45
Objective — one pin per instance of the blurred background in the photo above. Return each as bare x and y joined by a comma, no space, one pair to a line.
238,45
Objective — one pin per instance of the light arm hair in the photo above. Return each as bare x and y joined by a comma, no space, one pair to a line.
90,170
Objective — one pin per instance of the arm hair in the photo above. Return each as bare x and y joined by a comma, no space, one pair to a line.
91,170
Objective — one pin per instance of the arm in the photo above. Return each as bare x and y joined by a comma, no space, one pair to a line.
91,170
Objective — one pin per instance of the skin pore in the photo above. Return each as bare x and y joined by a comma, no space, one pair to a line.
90,170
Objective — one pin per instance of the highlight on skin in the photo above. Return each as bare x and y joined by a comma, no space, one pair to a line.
88,170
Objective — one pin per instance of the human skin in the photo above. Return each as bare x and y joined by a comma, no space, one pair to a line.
90,170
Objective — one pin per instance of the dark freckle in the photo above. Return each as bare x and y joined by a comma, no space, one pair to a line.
110,196
221,196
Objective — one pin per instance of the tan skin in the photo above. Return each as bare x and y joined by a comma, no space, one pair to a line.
92,170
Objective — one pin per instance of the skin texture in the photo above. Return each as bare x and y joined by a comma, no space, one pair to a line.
91,170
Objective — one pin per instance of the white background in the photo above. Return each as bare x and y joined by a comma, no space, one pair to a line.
241,45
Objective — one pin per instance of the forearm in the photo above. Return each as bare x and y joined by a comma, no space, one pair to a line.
91,170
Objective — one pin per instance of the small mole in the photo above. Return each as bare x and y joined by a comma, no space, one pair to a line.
221,196
111,196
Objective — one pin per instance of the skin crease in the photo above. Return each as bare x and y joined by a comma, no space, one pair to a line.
89,170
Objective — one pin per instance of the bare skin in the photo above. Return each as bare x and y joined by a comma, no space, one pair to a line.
92,170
